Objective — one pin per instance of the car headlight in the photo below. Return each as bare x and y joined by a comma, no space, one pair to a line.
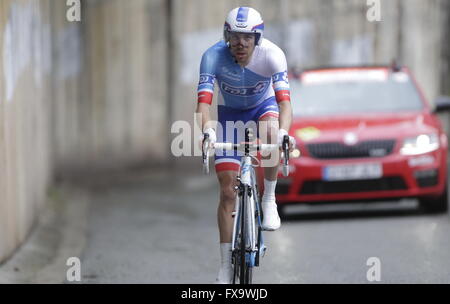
421,144
295,153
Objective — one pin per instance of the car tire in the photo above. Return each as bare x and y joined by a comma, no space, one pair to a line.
435,205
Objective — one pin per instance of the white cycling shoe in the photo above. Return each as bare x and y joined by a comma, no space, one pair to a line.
271,220
225,275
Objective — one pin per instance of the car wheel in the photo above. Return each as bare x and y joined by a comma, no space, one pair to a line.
435,205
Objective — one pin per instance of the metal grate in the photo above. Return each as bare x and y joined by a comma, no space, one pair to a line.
336,150
353,186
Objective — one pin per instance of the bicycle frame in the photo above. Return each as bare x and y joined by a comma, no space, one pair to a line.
247,187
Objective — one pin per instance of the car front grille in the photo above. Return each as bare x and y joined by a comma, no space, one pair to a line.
353,186
336,150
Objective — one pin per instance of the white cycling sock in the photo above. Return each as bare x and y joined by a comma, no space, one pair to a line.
269,190
225,254
225,271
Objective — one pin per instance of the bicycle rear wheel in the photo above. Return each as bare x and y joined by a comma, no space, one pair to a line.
258,215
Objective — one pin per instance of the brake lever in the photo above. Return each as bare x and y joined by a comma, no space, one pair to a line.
285,147
205,155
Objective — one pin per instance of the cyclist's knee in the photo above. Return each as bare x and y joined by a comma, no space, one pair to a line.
227,181
227,195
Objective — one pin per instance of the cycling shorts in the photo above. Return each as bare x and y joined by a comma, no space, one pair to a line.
231,127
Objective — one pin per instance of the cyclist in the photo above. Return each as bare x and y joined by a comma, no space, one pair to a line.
251,73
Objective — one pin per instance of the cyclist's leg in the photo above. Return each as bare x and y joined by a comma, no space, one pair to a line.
267,117
268,129
227,200
227,165
227,171
268,126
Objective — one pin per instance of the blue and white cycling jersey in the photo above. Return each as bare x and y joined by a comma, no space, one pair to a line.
243,88
246,94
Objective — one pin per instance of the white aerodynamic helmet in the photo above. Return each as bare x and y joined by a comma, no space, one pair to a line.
244,20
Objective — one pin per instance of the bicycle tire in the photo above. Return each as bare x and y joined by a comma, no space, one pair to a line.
242,279
248,275
258,215
236,256
243,271
236,267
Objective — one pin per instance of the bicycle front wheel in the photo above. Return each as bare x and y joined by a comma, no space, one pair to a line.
241,258
246,269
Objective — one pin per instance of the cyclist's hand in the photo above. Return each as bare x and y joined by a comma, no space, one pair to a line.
292,141
212,137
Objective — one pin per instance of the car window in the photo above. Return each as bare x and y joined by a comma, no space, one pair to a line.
395,93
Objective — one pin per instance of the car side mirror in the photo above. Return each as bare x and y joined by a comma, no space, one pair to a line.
442,104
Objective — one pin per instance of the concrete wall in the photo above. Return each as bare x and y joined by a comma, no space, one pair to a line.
76,97
110,104
25,89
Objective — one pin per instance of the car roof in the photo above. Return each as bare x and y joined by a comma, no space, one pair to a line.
393,68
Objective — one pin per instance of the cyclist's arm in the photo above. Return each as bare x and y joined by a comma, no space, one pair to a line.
282,91
285,115
204,122
278,65
206,89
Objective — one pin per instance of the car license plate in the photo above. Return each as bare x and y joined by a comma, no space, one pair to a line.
352,172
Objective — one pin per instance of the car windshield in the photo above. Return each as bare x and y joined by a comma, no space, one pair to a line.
331,93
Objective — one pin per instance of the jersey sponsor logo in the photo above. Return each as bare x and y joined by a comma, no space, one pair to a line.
206,78
282,76
258,88
231,74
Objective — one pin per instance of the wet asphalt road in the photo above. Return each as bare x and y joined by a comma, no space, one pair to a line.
161,227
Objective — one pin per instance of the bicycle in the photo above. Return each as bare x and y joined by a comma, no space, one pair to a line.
247,240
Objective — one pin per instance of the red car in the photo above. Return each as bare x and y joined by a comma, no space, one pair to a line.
365,133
